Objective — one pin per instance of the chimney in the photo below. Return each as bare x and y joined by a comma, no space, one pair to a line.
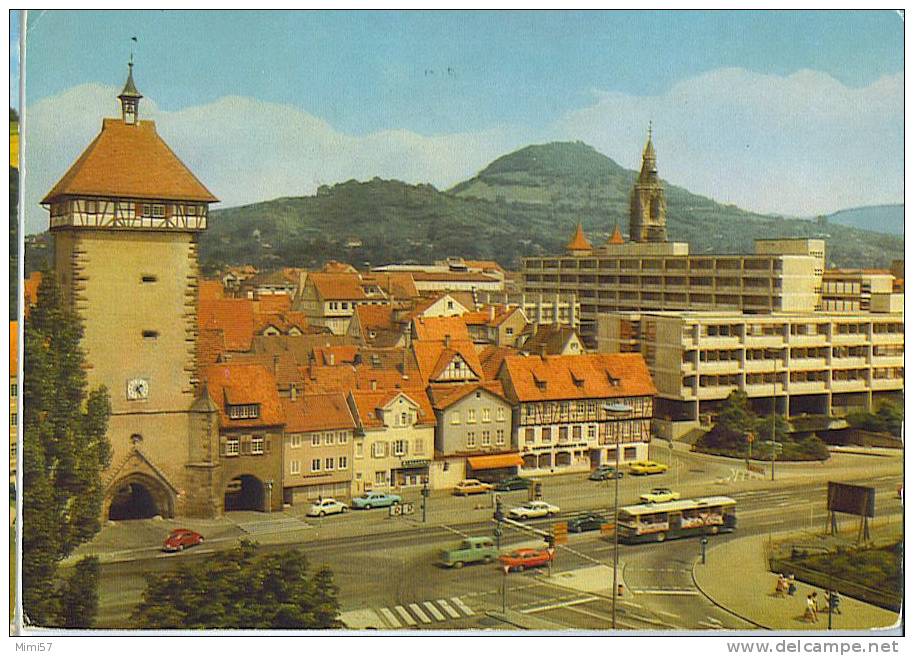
332,359
447,341
374,385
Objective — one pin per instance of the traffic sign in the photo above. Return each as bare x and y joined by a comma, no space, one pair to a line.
560,531
408,508
607,529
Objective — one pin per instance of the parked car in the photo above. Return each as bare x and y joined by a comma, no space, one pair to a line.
471,486
646,467
659,495
370,500
180,538
471,550
604,472
327,506
521,559
586,522
533,509
512,483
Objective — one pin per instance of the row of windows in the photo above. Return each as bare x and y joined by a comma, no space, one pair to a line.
246,445
486,438
327,464
485,415
327,438
245,411
383,449
561,432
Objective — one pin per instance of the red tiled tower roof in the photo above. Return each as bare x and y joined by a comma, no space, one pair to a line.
579,242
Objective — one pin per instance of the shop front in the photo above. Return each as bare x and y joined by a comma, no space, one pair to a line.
412,473
491,469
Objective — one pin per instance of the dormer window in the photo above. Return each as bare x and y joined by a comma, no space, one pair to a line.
154,210
245,411
612,380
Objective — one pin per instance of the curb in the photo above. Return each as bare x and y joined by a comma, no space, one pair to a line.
716,603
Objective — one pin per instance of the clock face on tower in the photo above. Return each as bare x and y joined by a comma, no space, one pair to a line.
137,389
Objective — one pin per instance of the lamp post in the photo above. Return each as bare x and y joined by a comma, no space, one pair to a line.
615,410
774,409
424,498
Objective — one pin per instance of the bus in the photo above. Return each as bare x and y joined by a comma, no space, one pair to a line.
655,522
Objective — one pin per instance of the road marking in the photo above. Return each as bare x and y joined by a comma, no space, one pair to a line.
406,616
455,531
784,503
649,620
447,609
420,614
676,591
434,611
560,604
713,620
462,606
390,618
663,569
663,612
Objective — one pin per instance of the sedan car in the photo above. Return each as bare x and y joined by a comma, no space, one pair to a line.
371,500
586,522
180,538
647,467
471,486
323,507
604,472
513,483
533,509
659,495
521,559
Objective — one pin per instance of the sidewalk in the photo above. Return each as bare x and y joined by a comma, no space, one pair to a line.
736,578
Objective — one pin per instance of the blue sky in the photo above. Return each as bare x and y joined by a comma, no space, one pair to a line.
425,85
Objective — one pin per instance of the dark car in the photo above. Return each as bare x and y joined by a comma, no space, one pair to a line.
604,473
180,538
513,483
588,522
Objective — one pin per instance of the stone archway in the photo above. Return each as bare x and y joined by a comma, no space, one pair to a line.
245,492
138,496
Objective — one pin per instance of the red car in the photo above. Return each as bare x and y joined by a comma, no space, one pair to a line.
180,538
521,559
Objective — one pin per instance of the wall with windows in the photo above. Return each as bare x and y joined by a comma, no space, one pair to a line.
254,452
380,454
317,464
479,423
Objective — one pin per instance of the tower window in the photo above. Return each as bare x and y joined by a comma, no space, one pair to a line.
91,207
148,277
150,335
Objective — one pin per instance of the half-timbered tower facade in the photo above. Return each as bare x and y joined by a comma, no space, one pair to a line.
126,218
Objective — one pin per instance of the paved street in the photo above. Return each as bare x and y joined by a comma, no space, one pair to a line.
388,579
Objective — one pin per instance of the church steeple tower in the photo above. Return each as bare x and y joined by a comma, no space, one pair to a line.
130,98
647,218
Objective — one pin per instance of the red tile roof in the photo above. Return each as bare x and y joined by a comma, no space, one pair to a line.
130,161
272,303
446,396
579,242
282,321
588,376
317,412
338,286
210,289
437,328
432,357
233,316
210,345
491,358
616,237
14,349
243,384
369,404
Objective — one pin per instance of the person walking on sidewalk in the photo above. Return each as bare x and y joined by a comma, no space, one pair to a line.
810,614
791,585
780,588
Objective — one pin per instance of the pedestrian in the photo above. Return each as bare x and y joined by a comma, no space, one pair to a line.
780,588
815,606
791,585
810,614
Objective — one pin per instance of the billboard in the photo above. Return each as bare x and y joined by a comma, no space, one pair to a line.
852,499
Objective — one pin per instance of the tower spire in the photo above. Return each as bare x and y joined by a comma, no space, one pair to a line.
130,97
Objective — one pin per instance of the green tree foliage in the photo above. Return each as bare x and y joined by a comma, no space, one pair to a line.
888,418
734,423
241,590
79,596
64,446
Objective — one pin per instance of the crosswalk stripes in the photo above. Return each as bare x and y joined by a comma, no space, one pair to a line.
425,612
273,526
447,609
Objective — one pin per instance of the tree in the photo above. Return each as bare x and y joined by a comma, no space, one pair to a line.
79,596
734,423
242,590
64,429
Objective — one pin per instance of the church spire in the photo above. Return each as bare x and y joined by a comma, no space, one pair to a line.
130,98
647,217
648,155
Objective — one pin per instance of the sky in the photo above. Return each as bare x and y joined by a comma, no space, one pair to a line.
797,113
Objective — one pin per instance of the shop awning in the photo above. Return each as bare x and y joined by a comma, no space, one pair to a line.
496,462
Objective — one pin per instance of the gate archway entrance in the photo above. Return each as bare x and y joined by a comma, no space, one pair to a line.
244,492
139,497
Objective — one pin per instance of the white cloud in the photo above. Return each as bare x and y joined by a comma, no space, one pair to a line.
245,150
803,144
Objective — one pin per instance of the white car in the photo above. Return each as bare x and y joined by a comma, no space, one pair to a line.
533,509
327,507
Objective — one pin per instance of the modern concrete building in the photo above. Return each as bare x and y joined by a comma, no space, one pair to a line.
810,363
860,290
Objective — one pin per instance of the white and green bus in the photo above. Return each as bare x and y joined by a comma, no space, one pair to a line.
655,522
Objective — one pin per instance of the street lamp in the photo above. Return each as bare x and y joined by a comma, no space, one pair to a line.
615,410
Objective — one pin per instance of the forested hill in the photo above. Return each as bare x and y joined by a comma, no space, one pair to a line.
523,203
